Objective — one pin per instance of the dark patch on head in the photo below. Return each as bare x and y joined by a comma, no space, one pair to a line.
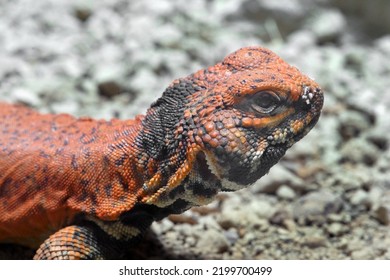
176,191
108,190
93,199
59,151
84,183
4,188
238,172
84,195
121,160
87,139
43,154
106,162
200,190
74,163
122,182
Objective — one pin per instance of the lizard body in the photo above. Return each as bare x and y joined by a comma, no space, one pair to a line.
84,188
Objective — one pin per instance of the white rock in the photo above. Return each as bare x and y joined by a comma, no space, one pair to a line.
26,96
359,197
285,192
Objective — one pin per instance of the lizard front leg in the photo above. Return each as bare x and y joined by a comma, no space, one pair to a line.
77,242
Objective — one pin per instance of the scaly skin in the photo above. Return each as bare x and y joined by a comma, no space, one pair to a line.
84,188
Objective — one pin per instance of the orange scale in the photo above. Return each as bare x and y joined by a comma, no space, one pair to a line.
229,123
224,132
243,139
214,143
259,122
247,122
232,144
214,134
206,138
198,139
237,133
209,126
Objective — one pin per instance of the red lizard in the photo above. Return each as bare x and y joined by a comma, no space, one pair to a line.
84,188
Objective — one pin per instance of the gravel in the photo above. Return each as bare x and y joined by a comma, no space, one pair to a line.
327,199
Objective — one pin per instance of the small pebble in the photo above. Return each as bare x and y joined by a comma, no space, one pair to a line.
363,254
383,215
316,206
336,229
359,197
285,192
214,241
231,235
25,96
314,241
109,89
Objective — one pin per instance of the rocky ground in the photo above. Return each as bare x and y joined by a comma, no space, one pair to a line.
329,198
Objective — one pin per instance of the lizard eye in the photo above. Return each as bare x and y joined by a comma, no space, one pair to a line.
265,102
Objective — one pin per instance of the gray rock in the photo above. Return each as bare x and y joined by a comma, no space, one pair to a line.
316,206
285,192
288,14
191,241
363,254
328,25
350,178
213,241
314,241
162,226
231,235
383,214
336,229
383,44
277,177
110,89
25,96
300,40
262,209
378,138
375,197
342,217
360,197
66,106
373,15
353,123
360,151
247,215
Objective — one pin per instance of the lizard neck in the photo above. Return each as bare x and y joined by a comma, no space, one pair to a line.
104,170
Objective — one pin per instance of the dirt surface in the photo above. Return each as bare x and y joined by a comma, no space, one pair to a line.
329,198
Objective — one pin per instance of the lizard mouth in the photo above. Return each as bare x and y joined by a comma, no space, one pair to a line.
306,130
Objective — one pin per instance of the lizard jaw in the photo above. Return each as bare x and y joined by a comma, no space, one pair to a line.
226,184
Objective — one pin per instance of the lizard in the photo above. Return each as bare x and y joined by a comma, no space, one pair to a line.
81,188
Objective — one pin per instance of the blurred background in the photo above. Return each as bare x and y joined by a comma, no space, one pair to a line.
329,198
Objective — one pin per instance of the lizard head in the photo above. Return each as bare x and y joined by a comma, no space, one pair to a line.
224,127
254,106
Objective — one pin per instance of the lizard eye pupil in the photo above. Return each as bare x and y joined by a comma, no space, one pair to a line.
265,102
